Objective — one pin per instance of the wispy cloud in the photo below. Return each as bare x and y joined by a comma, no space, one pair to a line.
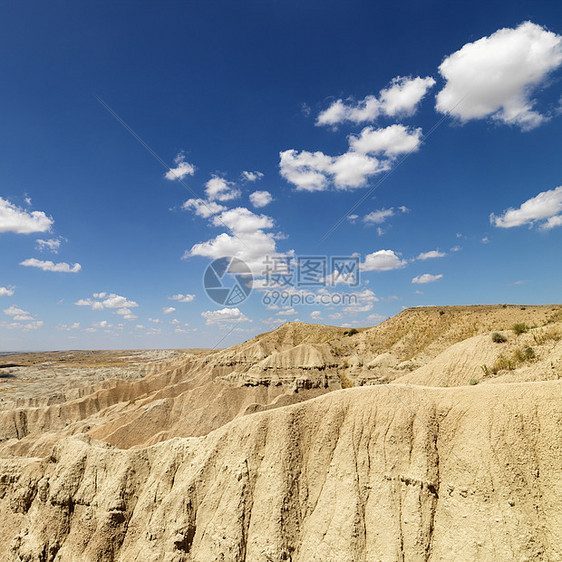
426,278
431,255
47,265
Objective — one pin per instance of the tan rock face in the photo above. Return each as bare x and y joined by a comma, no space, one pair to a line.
349,476
253,453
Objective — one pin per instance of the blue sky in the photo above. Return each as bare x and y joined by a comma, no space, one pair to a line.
447,122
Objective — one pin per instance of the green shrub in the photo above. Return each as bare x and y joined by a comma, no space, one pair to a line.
498,338
502,364
352,332
520,328
441,312
473,381
527,354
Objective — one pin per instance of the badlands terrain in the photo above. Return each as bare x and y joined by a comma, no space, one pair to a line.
436,435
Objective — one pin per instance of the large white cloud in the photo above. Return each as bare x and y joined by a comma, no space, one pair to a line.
16,219
382,260
544,209
497,75
6,291
316,171
401,97
47,265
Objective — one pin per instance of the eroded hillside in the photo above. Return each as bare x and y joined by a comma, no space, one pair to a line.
256,453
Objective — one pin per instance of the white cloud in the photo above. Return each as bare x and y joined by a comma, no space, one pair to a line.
6,291
353,169
306,170
33,325
365,110
252,176
168,310
400,98
50,245
431,254
426,278
69,327
126,313
382,260
364,301
545,207
181,170
391,140
316,171
497,75
219,189
378,217
288,311
102,301
248,240
47,265
260,198
155,320
21,319
316,314
15,311
182,298
16,219
203,208
404,94
242,221
225,315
